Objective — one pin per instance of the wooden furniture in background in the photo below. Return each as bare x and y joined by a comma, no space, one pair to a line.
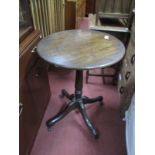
34,92
70,15
114,9
80,50
114,17
104,75
90,7
25,21
119,32
75,10
126,81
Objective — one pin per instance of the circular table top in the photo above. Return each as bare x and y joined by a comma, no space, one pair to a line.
78,49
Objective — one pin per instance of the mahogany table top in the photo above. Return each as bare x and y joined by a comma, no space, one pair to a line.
81,50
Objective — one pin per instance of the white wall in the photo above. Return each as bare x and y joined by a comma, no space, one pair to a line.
130,128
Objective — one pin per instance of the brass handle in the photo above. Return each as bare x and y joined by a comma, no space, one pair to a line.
133,59
34,49
127,75
121,90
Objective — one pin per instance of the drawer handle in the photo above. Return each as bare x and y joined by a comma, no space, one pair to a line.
133,59
127,75
121,90
20,108
34,49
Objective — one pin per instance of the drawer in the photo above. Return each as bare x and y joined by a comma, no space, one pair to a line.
26,61
27,54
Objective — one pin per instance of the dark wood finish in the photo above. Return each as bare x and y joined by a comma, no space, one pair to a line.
90,6
25,24
26,54
78,49
30,40
34,91
34,95
116,67
24,33
77,101
27,125
74,11
70,15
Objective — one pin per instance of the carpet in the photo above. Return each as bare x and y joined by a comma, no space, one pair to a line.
70,136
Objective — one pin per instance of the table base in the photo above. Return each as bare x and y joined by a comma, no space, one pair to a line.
77,101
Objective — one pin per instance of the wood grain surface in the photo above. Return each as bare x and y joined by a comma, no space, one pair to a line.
81,50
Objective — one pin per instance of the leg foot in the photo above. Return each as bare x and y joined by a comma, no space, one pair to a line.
93,100
64,93
87,121
101,103
60,115
77,101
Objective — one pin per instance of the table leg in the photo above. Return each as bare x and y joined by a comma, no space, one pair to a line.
68,108
88,100
87,120
64,93
77,101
